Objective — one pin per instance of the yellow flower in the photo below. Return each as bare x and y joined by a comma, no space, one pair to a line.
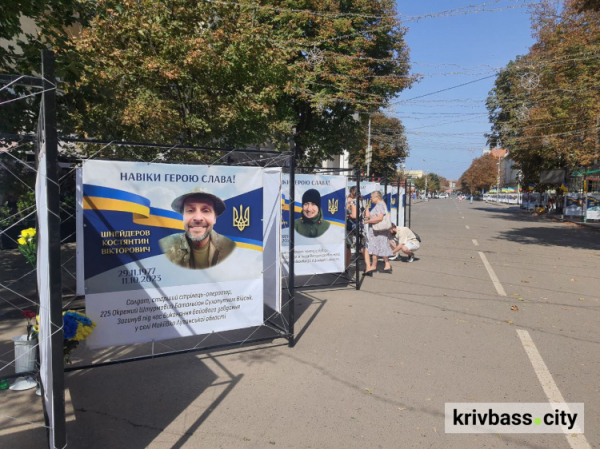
21,241
28,232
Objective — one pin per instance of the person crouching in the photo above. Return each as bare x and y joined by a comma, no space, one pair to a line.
403,239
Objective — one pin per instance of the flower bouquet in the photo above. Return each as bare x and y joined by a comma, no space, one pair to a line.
27,245
29,314
76,328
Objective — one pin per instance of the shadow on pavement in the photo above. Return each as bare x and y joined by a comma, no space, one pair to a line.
565,237
511,213
303,302
132,405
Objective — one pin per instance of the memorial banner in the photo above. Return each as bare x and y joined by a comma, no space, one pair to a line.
366,188
574,204
171,250
319,220
391,200
398,215
593,206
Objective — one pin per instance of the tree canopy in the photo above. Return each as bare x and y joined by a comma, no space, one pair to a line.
223,73
29,26
433,183
389,143
545,105
481,174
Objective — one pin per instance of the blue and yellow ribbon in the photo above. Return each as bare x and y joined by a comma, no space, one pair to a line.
105,198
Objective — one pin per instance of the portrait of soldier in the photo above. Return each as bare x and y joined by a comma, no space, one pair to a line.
311,223
199,246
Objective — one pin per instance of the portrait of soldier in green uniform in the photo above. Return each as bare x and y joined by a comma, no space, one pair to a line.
311,223
199,246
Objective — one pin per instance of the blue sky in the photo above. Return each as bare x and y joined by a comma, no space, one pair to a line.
477,43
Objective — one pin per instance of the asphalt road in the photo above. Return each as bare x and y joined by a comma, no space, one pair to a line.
374,368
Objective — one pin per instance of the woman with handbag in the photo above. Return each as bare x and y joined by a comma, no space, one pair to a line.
353,204
378,242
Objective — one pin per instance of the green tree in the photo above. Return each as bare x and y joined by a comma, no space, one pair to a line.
389,143
433,183
238,74
363,63
179,72
53,23
225,74
545,105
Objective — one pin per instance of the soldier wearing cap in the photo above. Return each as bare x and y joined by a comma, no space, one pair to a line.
199,246
311,223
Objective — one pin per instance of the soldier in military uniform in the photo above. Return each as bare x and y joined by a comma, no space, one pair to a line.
199,246
311,224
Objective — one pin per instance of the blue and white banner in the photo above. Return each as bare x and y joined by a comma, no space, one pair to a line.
366,188
593,206
171,250
397,205
574,204
319,221
391,199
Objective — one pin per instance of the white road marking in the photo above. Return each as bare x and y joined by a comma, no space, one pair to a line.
493,276
475,242
467,226
576,441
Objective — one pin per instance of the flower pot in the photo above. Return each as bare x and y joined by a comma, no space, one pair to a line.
24,354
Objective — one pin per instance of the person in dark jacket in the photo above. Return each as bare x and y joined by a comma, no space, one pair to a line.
311,223
199,246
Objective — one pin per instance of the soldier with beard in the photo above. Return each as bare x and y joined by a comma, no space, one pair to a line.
199,246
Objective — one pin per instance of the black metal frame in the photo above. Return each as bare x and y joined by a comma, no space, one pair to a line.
48,123
345,281
46,131
47,120
288,335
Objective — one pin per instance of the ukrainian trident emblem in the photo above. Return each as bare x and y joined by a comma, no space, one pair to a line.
241,219
393,201
333,206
